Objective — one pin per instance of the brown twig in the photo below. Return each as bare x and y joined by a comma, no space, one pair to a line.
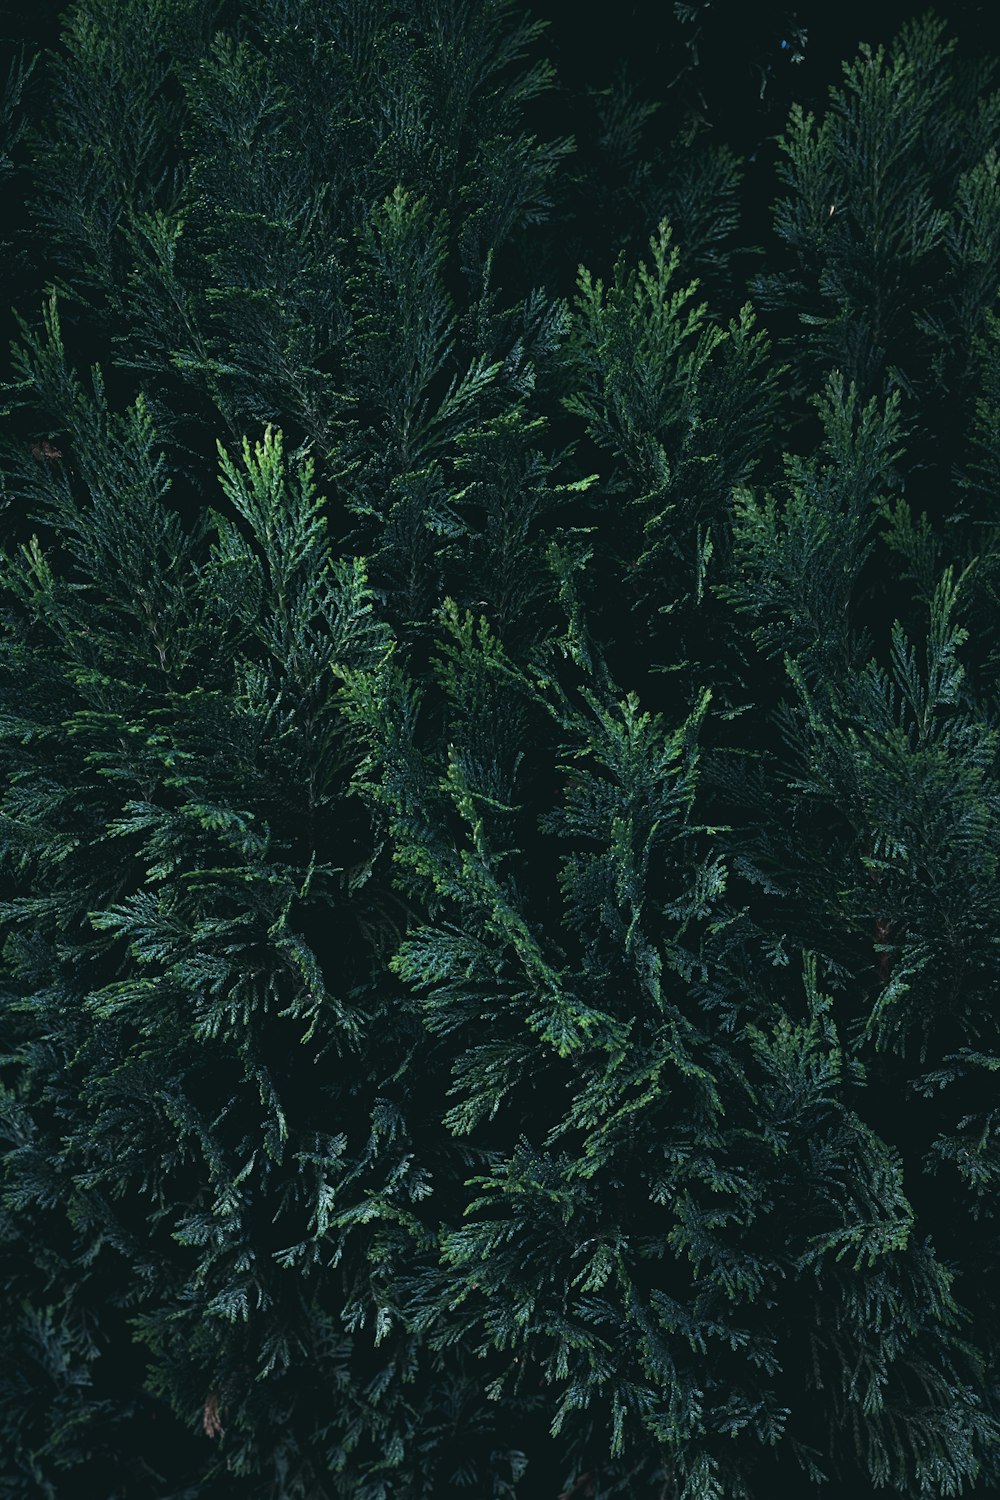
585,1481
210,1416
45,450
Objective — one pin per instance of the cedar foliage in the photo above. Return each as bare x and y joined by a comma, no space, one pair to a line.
500,807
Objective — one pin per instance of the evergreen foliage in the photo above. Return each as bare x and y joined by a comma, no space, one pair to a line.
501,818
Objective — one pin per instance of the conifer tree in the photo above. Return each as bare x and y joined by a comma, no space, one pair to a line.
500,800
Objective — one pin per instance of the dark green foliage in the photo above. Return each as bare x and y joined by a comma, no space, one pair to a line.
500,804
891,219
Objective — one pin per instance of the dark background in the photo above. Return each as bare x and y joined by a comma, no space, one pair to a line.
732,65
